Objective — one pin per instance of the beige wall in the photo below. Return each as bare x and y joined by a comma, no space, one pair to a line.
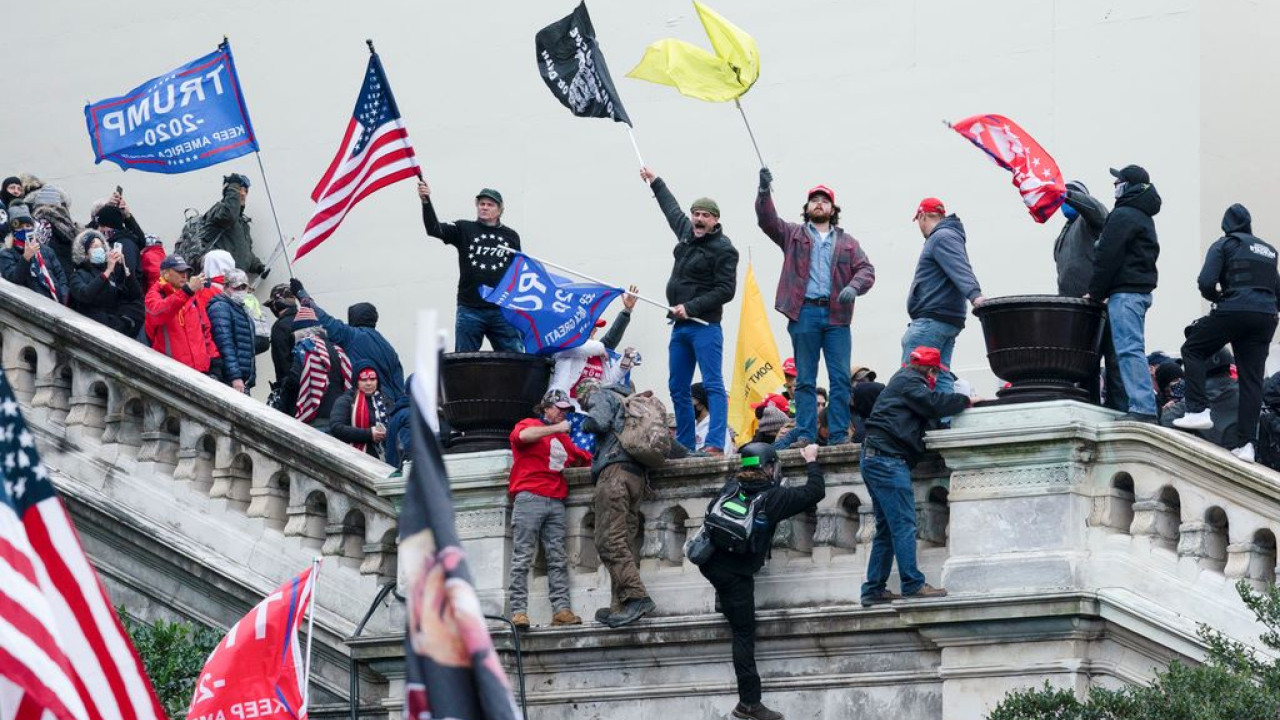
851,95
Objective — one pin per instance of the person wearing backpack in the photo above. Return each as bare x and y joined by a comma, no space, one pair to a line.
908,406
754,491
1239,276
631,436
226,227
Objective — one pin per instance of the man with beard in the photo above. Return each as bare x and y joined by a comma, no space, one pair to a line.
703,280
1124,274
944,280
824,270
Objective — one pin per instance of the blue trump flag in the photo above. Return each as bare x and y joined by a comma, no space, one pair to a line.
186,119
551,312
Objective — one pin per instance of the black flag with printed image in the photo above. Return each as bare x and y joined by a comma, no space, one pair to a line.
572,65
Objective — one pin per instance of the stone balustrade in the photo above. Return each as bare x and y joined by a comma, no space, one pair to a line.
240,488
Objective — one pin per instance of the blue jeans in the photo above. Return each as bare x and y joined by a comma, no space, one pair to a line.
474,324
936,334
1127,314
702,344
888,480
809,336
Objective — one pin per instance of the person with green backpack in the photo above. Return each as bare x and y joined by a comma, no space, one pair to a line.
739,524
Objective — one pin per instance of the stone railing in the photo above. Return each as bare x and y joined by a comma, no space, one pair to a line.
208,478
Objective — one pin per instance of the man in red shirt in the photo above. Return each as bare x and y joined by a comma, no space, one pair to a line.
541,450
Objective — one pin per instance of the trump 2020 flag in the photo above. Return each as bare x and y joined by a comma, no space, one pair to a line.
1035,174
571,64
452,670
552,313
258,669
186,119
375,152
63,652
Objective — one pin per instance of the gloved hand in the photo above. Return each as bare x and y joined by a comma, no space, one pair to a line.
766,179
847,296
295,285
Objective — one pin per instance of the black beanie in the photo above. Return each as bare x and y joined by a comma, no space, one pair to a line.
111,217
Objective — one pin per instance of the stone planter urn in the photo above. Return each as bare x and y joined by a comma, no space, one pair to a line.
1043,345
484,394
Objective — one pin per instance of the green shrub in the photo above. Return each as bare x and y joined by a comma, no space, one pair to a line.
173,654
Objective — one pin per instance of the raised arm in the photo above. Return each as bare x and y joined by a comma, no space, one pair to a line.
680,223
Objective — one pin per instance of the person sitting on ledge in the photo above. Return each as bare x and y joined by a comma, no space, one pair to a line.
894,443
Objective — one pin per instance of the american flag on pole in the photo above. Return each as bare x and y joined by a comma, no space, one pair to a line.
375,153
63,652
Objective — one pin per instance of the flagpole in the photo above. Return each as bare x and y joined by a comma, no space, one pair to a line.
571,271
752,135
631,134
279,233
311,626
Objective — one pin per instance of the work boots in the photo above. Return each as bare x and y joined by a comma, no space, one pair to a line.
755,711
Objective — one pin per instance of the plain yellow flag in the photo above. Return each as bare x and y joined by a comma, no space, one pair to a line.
757,368
721,77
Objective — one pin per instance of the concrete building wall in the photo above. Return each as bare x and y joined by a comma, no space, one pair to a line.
852,94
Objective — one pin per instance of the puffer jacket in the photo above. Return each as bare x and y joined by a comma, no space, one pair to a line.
1128,248
178,327
233,333
705,276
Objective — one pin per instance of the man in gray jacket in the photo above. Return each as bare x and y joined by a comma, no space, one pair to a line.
944,280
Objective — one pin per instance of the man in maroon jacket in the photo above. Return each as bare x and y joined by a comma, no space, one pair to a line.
823,271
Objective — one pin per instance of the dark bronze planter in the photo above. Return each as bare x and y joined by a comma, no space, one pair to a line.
1043,345
484,395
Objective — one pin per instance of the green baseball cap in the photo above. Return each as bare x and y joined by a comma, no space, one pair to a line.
492,194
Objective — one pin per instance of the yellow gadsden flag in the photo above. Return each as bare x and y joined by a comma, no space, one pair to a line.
721,77
757,369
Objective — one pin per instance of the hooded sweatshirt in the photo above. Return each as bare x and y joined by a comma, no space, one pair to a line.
944,279
1239,272
1125,261
1073,252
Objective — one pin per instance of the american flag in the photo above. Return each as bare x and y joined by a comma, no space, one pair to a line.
374,153
63,652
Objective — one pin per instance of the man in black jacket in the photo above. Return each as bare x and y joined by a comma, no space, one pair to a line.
894,443
704,279
1240,277
485,248
1124,274
284,306
733,574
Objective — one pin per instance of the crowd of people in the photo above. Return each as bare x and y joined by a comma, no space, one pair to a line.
346,379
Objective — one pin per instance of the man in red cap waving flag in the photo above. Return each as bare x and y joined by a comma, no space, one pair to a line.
824,270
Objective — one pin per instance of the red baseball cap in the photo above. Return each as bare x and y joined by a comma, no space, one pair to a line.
789,367
831,194
928,357
773,399
929,205
601,323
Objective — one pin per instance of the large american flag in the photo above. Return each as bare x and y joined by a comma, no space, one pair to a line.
63,653
374,153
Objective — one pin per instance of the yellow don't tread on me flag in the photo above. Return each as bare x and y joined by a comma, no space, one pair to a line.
757,368
724,76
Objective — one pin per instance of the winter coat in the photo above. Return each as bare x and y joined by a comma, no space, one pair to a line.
944,279
1125,260
114,301
19,271
849,264
904,411
282,343
178,327
399,433
705,276
227,228
293,382
232,330
1236,255
340,423
63,233
1073,251
365,345
149,266
482,252
779,503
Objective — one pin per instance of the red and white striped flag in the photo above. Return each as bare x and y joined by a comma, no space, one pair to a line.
374,153
63,652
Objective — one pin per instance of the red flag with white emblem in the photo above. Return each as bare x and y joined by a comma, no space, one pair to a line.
258,670
1035,173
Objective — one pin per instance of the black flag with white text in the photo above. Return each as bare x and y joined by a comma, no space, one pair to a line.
570,62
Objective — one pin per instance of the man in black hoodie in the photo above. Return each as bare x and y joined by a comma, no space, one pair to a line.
703,280
485,247
1124,274
1239,276
733,574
